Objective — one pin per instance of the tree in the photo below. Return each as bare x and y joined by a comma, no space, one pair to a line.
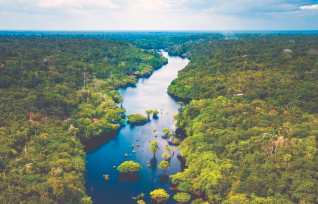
168,149
148,112
182,197
121,102
199,201
160,195
155,112
164,165
86,200
237,199
181,103
166,131
73,130
129,166
154,147
176,141
141,202
166,156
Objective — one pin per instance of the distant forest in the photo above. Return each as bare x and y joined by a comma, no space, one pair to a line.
251,122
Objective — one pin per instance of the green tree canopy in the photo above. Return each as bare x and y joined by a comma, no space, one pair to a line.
166,155
129,166
136,118
160,195
182,197
166,130
148,112
154,147
176,141
168,149
164,165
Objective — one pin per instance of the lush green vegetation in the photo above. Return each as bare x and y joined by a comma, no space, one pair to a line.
148,112
259,147
136,118
141,202
182,197
154,147
168,149
175,44
166,155
256,67
166,130
164,165
155,112
160,195
56,93
252,126
176,141
129,166
45,167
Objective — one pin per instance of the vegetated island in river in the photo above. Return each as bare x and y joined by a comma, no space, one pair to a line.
136,119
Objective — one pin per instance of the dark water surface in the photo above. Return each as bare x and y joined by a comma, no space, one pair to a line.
149,93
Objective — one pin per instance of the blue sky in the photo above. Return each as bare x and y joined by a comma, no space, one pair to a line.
158,14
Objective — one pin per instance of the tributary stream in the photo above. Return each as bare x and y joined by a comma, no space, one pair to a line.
149,94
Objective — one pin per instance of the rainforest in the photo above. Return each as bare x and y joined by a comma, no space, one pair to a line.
158,117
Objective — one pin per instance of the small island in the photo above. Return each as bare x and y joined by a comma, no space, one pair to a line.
129,166
159,195
136,119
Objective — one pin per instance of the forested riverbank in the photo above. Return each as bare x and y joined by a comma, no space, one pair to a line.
252,126
55,94
151,140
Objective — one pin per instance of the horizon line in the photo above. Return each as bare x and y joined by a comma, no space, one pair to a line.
153,30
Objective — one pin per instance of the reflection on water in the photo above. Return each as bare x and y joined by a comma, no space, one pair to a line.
129,177
109,150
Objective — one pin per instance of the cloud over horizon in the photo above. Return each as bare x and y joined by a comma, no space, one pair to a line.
314,6
158,14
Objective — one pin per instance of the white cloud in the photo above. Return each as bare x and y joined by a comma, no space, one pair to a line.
157,14
76,3
314,6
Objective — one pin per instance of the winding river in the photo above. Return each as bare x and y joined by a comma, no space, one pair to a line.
149,93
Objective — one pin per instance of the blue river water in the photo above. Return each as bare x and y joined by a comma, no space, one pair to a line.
149,93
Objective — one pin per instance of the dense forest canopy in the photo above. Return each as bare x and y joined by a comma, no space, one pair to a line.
56,93
252,123
175,42
126,35
256,66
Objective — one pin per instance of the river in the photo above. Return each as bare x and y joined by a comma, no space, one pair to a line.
149,93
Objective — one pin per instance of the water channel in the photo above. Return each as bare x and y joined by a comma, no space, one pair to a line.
149,94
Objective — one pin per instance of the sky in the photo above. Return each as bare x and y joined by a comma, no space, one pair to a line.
158,15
